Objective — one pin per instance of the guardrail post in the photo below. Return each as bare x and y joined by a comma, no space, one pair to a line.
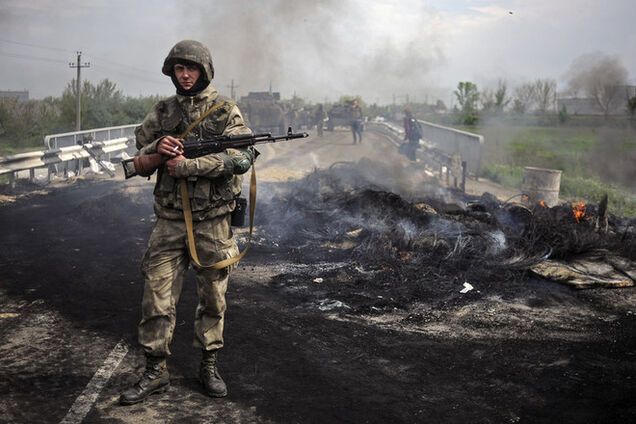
12,178
32,174
463,187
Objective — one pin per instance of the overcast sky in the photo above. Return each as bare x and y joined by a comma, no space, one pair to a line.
320,50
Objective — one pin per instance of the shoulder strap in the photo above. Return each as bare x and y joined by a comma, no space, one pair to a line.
187,211
218,105
187,214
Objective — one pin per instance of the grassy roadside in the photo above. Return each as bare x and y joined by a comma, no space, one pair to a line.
573,188
594,161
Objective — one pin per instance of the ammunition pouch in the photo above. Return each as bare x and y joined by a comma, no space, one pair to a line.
238,214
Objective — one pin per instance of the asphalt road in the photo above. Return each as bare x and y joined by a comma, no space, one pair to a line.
70,291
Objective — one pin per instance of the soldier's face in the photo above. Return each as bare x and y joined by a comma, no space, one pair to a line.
186,75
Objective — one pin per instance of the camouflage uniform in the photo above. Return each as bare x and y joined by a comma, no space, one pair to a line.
356,123
213,186
213,182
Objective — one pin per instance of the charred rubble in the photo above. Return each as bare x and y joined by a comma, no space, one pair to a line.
410,240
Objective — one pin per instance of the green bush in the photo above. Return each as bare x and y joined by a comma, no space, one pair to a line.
23,125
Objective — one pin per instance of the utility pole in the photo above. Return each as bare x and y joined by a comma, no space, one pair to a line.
78,96
232,88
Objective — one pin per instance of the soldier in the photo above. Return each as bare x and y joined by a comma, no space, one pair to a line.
356,122
412,134
319,119
213,182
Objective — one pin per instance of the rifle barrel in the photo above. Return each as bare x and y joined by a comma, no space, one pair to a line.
197,148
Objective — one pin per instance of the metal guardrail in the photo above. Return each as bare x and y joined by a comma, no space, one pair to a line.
453,141
70,156
70,150
447,165
55,141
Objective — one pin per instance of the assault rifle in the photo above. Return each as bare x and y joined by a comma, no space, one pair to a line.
145,165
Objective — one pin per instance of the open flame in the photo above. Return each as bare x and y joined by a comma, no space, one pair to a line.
542,203
578,209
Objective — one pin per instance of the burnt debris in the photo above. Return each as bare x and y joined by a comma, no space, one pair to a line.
431,235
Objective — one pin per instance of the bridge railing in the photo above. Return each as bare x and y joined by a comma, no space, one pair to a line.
55,141
453,141
449,161
70,151
450,141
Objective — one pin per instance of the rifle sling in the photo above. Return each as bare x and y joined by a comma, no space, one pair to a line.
187,214
187,211
201,118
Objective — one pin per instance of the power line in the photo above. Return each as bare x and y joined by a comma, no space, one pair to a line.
119,68
35,45
24,56
127,71
66,50
127,66
113,69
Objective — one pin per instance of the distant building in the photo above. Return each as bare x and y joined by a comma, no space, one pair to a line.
589,106
22,96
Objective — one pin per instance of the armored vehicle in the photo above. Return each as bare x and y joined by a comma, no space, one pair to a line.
338,115
264,113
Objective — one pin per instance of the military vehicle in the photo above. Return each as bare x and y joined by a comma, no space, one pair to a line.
338,115
264,113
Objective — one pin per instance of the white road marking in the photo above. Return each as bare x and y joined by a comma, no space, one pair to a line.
83,404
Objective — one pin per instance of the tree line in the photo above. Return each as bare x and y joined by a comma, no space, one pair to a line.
598,77
24,124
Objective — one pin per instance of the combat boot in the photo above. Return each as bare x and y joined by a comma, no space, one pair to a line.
210,377
155,379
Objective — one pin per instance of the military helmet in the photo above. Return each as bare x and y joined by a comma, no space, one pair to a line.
189,51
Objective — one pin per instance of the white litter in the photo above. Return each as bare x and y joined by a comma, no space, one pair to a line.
318,280
94,166
330,305
107,164
467,287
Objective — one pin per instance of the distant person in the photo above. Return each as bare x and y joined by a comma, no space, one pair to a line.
356,122
211,183
319,119
412,134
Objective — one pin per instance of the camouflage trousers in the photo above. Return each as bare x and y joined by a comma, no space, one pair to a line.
164,266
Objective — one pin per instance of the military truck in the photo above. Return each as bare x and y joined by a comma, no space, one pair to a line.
338,115
264,113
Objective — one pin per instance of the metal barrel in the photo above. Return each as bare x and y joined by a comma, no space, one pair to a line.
541,184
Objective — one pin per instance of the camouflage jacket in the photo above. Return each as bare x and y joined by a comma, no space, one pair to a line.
211,183
356,113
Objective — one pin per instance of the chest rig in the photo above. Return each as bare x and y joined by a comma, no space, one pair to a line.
205,193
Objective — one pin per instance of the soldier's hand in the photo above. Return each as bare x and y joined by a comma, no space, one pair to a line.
170,146
172,164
